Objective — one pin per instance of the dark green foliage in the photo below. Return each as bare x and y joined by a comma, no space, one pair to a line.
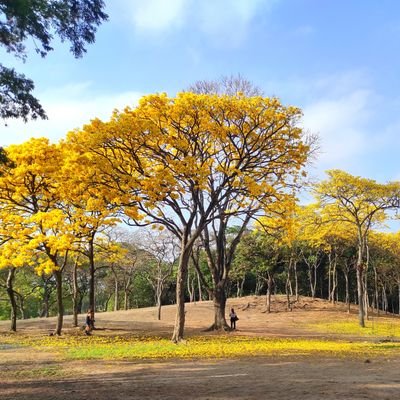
16,99
75,21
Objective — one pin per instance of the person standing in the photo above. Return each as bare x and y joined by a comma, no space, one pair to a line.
233,318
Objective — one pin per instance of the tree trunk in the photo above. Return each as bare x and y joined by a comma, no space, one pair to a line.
126,299
11,295
219,300
360,289
376,290
183,265
199,287
46,298
347,292
75,292
159,291
366,299
60,305
21,306
329,275
116,293
296,281
287,290
334,280
398,288
92,281
190,288
269,292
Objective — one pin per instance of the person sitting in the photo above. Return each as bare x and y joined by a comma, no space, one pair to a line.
89,323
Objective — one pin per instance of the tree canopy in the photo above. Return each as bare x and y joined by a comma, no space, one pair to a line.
75,21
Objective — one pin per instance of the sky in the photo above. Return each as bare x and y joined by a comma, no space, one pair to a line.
338,60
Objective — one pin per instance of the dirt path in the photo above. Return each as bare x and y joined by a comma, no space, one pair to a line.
256,378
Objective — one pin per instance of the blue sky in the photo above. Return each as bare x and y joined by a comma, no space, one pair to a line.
338,60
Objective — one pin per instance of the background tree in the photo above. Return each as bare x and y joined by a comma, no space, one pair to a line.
75,21
362,203
162,250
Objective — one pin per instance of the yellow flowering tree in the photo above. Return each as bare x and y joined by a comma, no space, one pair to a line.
186,161
361,203
85,206
30,196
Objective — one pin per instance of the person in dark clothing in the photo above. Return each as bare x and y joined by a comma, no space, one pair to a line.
89,323
233,318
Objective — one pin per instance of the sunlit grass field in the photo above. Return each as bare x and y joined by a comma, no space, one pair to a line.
374,328
205,347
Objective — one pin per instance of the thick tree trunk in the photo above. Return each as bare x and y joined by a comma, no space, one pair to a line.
60,304
219,300
11,295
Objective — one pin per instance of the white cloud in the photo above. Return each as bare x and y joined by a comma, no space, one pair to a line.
67,108
340,124
157,15
226,21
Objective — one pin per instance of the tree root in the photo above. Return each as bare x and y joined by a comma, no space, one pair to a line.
213,327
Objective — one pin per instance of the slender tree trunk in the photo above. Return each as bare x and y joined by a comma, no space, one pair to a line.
296,281
329,275
366,299
242,286
75,293
269,292
60,304
159,291
46,298
288,302
11,295
360,290
190,288
126,299
334,280
384,299
21,306
179,325
199,286
376,290
398,289
92,304
116,293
